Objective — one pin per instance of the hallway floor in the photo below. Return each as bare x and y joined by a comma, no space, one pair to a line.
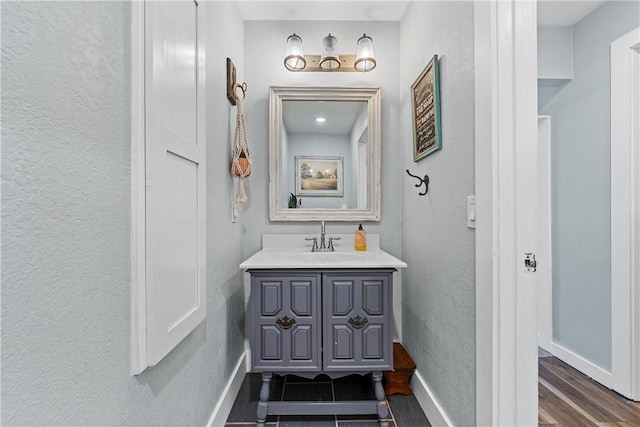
405,410
569,398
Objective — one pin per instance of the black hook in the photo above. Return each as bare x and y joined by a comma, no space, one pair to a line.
423,181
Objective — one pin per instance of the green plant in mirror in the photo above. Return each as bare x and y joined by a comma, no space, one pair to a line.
294,202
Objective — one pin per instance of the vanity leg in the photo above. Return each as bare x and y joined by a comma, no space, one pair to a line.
383,409
265,389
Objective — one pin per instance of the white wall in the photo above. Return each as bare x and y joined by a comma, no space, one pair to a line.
226,316
555,60
555,52
65,226
287,168
439,292
580,135
265,42
359,165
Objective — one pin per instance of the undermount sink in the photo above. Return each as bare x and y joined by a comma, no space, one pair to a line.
326,257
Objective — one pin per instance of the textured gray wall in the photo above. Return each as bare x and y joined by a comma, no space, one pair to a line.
225,281
439,292
65,226
580,151
264,47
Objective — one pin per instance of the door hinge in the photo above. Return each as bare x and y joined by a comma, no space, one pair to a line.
530,262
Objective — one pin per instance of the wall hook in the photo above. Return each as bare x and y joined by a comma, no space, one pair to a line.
232,85
423,181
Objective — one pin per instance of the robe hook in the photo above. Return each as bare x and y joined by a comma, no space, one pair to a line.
423,181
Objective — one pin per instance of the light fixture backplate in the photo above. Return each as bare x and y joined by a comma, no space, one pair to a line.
346,64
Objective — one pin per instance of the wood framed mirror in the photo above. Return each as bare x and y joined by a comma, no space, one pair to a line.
324,153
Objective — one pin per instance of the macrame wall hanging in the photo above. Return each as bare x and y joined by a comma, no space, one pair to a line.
240,156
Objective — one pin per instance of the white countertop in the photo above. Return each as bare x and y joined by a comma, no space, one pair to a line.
292,251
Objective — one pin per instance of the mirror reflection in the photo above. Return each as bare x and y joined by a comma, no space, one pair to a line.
324,153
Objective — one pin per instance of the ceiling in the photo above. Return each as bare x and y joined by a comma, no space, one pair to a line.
564,13
550,12
322,10
299,117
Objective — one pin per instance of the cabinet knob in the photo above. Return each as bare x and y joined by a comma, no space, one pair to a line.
357,322
286,322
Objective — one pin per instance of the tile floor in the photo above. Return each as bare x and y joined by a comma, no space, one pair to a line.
405,410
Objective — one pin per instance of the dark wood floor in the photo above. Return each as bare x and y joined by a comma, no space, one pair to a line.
569,398
405,410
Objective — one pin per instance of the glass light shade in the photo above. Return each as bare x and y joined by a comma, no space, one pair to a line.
294,57
365,58
329,60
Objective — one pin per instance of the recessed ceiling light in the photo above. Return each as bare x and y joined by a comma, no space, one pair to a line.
320,119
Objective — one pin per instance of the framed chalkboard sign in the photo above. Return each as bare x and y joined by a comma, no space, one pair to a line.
425,97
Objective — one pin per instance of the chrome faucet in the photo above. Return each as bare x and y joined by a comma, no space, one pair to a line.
323,245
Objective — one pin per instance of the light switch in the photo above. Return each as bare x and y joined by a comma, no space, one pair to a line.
471,211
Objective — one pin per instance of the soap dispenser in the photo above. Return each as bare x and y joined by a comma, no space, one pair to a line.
360,243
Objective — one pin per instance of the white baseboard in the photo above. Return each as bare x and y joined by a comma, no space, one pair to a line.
432,409
225,403
578,362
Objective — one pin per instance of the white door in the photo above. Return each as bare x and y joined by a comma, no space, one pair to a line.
625,214
175,176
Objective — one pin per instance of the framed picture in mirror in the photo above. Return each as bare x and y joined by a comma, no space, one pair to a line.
319,176
425,101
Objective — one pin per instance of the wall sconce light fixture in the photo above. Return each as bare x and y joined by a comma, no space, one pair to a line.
365,58
294,61
329,60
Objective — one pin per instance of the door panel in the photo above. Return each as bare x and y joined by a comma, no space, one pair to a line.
343,343
271,343
372,339
301,298
372,297
301,342
342,297
180,239
271,298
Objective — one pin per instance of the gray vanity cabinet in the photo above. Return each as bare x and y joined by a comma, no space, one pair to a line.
336,321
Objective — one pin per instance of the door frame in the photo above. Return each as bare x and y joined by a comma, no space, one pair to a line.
545,268
506,224
138,224
625,215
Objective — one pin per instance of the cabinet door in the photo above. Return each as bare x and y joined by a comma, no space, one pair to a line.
357,321
285,321
175,154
